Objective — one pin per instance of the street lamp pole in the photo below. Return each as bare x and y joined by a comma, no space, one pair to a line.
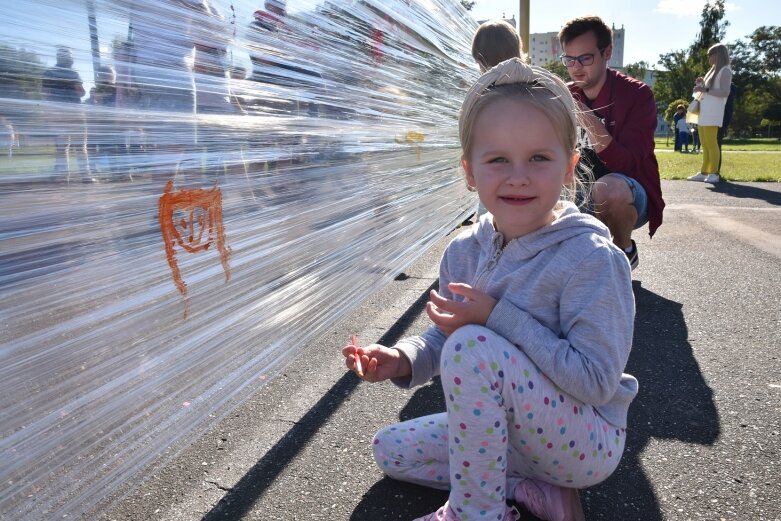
523,24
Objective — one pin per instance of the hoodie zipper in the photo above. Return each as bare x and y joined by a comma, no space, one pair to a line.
498,250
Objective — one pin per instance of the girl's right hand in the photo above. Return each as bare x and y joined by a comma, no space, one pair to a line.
379,363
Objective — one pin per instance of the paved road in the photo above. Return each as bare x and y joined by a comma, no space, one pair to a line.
704,438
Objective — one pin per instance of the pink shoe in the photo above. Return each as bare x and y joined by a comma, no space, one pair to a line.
445,513
549,502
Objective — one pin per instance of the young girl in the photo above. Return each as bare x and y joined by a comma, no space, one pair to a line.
532,324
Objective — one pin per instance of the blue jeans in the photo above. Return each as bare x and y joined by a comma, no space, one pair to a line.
639,199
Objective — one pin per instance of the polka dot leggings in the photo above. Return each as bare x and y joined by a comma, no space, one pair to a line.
505,422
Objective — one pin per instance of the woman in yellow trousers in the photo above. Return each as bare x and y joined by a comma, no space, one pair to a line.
712,91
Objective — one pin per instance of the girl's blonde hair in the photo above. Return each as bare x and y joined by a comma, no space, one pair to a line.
513,79
722,60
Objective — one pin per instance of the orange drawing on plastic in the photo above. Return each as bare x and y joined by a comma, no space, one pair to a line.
192,219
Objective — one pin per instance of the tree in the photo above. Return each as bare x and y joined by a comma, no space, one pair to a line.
682,67
766,42
757,76
712,29
467,5
20,73
755,62
773,113
557,68
671,108
676,80
637,70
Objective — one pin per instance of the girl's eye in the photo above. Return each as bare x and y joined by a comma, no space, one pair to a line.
498,160
538,157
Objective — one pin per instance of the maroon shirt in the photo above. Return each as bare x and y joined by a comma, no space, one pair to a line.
628,109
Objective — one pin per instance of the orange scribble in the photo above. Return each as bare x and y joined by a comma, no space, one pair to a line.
191,219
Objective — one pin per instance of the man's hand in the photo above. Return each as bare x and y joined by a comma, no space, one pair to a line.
597,132
449,315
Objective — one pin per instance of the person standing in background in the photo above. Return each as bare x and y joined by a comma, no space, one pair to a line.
729,109
63,84
683,134
695,138
494,42
680,113
712,91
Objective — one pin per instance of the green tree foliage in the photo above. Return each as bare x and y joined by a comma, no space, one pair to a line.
712,29
557,68
682,67
669,112
773,113
20,73
755,62
467,5
637,70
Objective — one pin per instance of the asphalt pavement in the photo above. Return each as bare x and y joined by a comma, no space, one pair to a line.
703,437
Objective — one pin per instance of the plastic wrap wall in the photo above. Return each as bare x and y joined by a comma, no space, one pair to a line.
190,190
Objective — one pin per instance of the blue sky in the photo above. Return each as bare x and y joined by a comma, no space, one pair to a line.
653,27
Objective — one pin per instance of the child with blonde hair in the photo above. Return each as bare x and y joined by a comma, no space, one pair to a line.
532,329
494,42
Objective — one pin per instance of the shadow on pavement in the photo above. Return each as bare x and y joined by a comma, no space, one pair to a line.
239,500
674,403
748,192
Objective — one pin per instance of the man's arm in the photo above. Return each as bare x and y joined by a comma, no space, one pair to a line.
634,140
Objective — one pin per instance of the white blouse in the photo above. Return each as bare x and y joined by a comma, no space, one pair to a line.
712,102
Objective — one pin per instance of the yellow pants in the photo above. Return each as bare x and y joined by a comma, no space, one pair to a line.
710,149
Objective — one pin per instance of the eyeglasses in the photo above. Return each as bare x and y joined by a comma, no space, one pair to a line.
583,59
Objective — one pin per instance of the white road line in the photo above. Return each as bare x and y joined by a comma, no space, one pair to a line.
714,217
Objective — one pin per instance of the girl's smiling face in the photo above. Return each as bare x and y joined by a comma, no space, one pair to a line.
518,165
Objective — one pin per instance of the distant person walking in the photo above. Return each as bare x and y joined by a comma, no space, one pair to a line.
712,91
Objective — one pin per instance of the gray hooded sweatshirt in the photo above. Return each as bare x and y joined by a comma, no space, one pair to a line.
564,298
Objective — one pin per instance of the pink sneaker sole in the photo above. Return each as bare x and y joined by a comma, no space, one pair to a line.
550,502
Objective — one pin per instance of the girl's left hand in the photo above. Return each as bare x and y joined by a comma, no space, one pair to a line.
449,314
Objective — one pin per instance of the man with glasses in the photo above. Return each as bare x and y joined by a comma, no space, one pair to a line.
620,121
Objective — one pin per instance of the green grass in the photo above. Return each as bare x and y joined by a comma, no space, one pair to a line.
744,160
736,166
750,145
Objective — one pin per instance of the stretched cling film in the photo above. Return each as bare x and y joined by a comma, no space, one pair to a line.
190,190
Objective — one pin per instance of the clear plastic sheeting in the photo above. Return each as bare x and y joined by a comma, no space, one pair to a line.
191,190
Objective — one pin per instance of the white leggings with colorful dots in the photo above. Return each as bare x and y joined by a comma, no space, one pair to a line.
505,422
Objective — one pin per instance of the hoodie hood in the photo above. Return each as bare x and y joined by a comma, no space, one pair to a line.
570,222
